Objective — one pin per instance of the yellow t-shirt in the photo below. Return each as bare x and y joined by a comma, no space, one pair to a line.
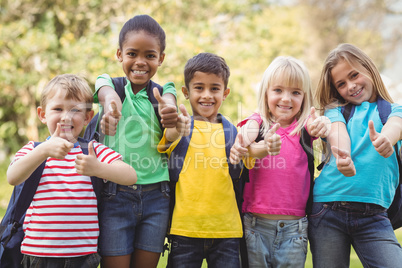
205,199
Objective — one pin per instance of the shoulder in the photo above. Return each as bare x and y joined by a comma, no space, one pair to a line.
396,110
256,117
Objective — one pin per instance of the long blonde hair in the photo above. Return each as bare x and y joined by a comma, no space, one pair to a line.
289,72
327,95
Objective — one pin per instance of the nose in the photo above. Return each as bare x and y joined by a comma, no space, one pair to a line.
286,96
66,116
206,94
351,85
140,61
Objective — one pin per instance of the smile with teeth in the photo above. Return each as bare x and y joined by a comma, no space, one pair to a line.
284,107
357,93
139,72
206,104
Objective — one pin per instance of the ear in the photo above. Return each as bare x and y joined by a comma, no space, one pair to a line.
161,58
118,55
88,117
41,114
226,93
185,92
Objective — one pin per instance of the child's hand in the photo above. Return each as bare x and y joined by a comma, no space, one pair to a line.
183,122
381,142
57,146
238,150
273,140
87,164
167,111
344,162
318,126
110,120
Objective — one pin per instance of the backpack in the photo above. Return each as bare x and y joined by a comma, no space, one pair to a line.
92,131
384,110
175,164
11,226
307,145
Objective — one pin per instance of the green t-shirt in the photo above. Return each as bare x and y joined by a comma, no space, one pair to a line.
138,133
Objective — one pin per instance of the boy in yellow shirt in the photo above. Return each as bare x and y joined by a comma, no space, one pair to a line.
206,222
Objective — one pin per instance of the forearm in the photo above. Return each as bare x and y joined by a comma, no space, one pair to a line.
106,95
339,136
172,134
169,98
118,172
21,169
258,150
393,129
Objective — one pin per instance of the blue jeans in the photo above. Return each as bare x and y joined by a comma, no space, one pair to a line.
190,252
87,261
275,243
135,217
335,226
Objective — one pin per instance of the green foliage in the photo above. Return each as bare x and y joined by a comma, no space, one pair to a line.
43,38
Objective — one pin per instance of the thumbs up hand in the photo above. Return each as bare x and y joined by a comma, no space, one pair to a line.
380,142
58,147
167,110
110,119
183,121
238,150
87,164
318,126
273,141
344,162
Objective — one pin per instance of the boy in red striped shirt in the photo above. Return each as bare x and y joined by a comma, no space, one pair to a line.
61,224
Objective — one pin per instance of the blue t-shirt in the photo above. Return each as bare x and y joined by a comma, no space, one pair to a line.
376,177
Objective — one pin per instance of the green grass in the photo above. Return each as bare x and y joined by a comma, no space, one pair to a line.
6,190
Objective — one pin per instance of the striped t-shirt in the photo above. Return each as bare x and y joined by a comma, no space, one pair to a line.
62,220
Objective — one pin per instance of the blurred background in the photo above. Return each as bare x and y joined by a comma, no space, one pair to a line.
40,39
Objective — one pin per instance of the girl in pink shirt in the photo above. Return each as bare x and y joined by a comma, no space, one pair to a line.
275,198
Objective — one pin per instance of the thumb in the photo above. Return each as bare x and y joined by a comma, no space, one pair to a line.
274,129
241,140
91,150
312,114
372,131
56,133
339,153
183,110
158,96
113,109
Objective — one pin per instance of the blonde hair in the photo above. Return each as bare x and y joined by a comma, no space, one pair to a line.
327,95
289,72
76,88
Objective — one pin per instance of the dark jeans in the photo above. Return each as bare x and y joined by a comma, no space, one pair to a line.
190,252
87,261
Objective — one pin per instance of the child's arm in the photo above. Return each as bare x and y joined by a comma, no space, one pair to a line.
318,126
270,146
390,134
167,109
118,171
111,102
247,135
55,147
182,128
339,140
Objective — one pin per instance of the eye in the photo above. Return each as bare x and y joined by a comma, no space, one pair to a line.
131,54
75,110
354,75
277,90
151,56
340,85
57,109
198,87
296,92
215,89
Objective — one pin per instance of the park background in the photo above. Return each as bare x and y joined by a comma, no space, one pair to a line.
40,39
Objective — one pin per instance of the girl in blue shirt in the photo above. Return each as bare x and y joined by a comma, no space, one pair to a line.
357,185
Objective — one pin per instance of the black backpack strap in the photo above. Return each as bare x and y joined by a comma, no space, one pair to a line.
307,145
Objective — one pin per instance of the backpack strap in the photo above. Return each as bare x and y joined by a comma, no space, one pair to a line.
307,145
151,97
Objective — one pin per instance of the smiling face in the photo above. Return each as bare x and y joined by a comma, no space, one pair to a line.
72,115
354,86
284,103
140,56
206,93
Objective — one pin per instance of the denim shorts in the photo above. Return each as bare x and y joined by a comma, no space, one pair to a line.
336,226
134,217
188,252
87,261
275,243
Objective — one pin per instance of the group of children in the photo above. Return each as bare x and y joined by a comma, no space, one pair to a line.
203,156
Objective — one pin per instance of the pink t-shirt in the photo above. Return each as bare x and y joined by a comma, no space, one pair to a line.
279,184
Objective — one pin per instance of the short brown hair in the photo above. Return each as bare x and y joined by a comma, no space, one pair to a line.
76,88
